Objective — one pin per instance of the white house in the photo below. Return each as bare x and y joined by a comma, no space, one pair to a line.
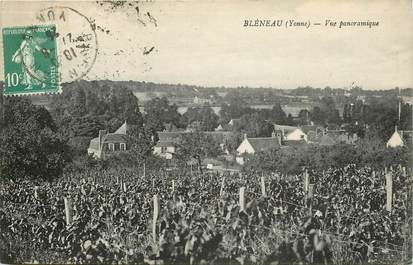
165,149
107,143
395,140
290,133
253,145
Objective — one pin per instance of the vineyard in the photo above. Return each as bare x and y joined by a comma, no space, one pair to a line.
339,216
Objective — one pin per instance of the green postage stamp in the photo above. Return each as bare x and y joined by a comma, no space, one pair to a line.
30,60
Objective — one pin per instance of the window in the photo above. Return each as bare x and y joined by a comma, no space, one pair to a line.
122,146
163,149
111,147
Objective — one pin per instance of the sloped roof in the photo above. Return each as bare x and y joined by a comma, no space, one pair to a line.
114,138
395,140
309,128
168,136
165,143
285,128
94,143
264,143
122,129
294,142
219,136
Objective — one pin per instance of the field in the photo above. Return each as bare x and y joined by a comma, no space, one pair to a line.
210,218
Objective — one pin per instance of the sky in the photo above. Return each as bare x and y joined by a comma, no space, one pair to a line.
205,42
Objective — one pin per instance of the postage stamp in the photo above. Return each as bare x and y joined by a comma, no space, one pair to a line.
30,60
76,41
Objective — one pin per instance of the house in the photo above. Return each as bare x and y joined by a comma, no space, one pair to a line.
107,143
400,138
333,137
165,149
290,133
233,122
198,100
312,131
219,128
168,141
254,145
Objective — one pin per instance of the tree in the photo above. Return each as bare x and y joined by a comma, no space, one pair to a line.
303,117
197,145
140,142
205,116
235,108
318,116
160,112
254,125
31,146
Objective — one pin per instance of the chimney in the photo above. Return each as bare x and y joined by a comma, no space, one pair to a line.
273,135
102,134
279,139
245,136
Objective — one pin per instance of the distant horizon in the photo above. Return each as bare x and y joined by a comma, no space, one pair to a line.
233,87
251,87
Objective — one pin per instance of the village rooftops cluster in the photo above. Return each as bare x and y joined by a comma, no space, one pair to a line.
282,136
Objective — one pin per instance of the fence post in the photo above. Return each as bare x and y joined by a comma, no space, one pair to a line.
124,187
155,215
144,170
242,199
263,191
36,195
221,192
173,186
310,191
68,211
306,181
389,191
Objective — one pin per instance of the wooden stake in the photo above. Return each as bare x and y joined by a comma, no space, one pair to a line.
242,199
263,191
144,170
68,211
310,191
306,181
173,186
124,187
155,215
389,191
36,195
221,192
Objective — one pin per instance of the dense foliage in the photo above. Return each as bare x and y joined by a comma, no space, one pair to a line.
291,160
31,146
200,220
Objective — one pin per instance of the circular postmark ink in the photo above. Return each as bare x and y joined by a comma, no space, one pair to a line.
77,45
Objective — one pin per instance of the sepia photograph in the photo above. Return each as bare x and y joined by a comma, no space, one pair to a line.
189,132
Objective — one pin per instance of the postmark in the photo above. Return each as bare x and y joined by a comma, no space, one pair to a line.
30,54
76,41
